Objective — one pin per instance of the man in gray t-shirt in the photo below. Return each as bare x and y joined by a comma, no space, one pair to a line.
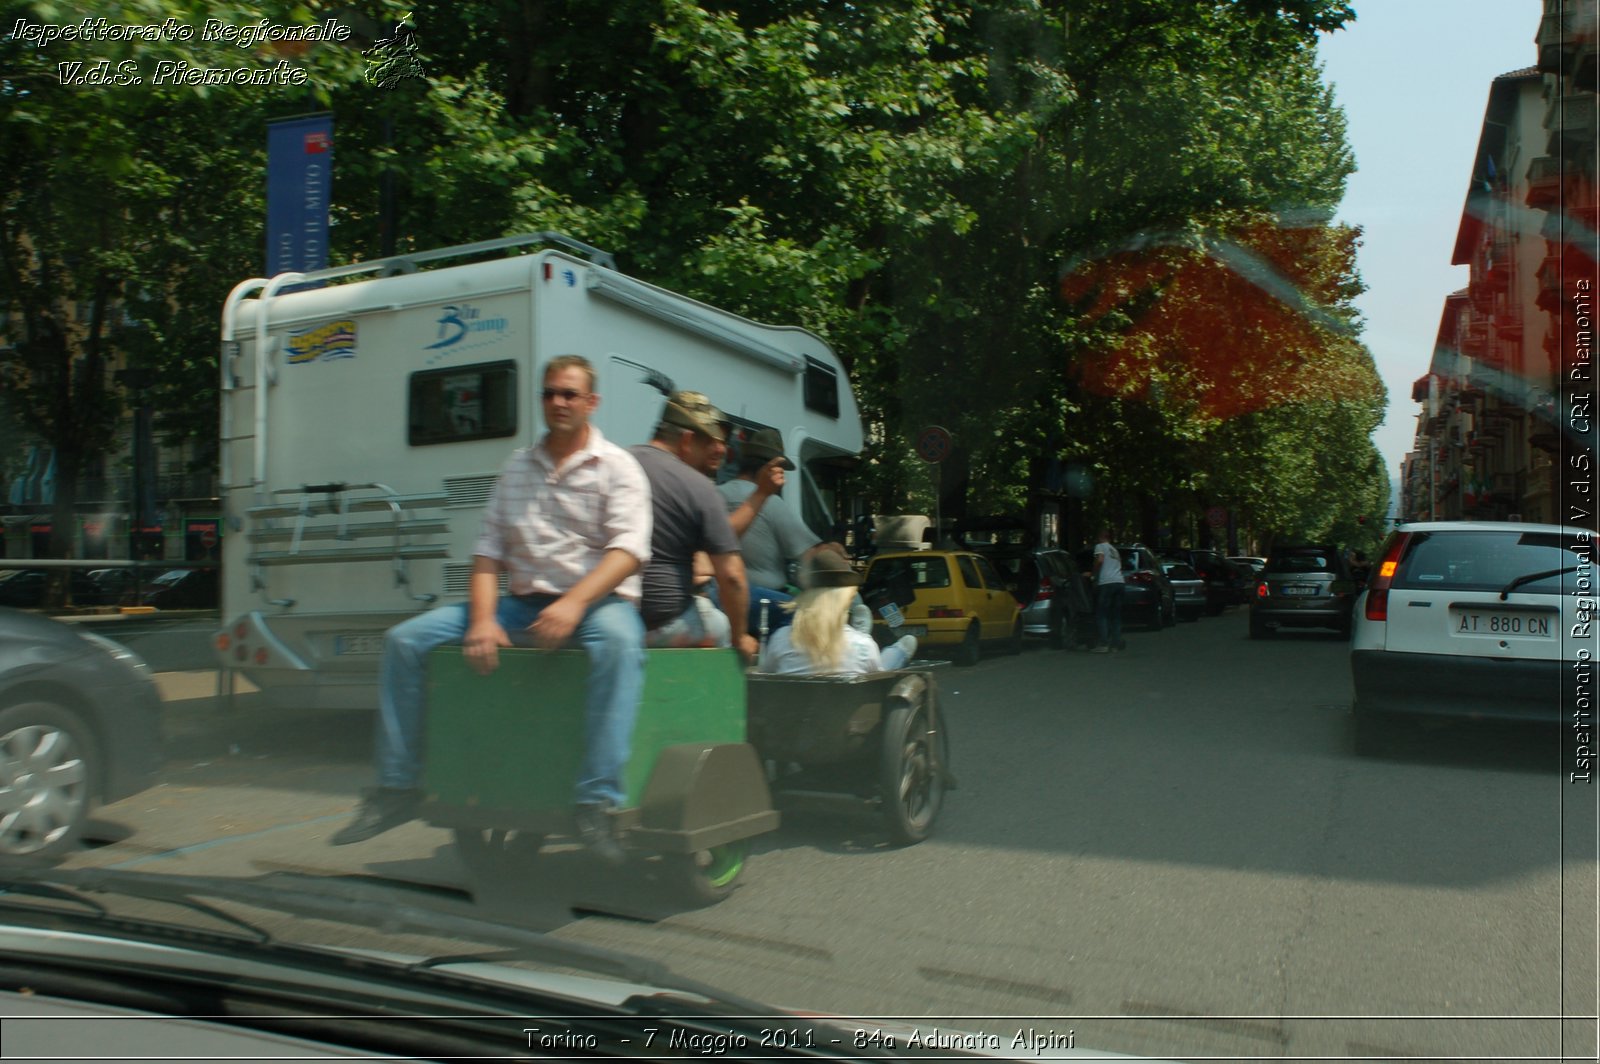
771,534
689,516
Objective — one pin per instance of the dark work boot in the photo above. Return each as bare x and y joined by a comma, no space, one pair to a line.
381,809
593,820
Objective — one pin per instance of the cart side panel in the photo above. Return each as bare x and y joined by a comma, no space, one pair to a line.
513,740
690,696
509,740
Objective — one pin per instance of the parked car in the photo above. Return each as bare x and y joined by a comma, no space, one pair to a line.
1188,589
115,587
25,588
1048,588
1303,587
1226,584
1475,619
1249,562
1148,599
80,724
959,600
184,589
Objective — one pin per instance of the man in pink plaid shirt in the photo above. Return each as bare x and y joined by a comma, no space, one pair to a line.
570,524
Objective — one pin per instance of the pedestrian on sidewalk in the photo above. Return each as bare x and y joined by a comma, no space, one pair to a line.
1108,589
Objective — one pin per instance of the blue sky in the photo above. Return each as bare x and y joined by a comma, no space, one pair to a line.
1413,77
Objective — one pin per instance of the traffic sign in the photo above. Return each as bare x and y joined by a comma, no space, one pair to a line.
208,538
934,444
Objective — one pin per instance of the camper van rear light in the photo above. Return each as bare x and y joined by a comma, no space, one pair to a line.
261,656
240,652
240,630
944,611
223,642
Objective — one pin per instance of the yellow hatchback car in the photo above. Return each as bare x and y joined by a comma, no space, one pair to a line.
958,600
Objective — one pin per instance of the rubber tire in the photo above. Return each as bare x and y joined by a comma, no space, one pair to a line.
911,789
706,876
62,834
971,647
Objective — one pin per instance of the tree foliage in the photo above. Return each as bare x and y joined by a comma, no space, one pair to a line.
1089,232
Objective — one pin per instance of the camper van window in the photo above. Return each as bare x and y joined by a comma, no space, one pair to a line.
463,403
822,388
743,430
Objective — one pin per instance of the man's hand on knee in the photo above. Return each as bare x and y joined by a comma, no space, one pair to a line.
482,646
556,623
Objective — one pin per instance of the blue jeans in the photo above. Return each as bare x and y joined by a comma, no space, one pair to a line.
611,633
700,624
1108,613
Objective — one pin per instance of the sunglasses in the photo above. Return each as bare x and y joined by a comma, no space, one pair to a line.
571,395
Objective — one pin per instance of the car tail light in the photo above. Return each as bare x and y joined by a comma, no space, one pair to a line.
1261,590
1046,591
1383,576
944,611
1140,577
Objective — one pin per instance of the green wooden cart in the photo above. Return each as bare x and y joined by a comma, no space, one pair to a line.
503,753
710,744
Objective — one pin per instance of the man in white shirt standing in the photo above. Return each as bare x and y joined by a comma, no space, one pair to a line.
1108,588
570,522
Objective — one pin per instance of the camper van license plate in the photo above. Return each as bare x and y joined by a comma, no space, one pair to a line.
358,643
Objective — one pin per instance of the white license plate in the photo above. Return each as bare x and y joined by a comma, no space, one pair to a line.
918,630
1501,623
358,643
891,615
1298,589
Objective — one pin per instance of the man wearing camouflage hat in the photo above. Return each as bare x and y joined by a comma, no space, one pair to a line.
689,516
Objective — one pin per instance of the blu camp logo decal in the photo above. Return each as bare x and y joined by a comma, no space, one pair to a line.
336,339
459,321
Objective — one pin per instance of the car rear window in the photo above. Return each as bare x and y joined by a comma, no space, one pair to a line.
1180,571
1303,561
1490,560
933,571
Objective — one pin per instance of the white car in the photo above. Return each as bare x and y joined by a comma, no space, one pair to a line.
1476,619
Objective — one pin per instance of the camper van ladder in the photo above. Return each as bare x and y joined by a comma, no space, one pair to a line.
326,523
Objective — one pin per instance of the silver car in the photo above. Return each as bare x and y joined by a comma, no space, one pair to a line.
1188,589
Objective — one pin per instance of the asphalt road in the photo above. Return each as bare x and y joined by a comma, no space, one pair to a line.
1170,851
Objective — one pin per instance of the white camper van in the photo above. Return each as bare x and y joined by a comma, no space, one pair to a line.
364,422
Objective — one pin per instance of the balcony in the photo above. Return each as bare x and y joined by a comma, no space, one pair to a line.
1572,118
1545,175
1556,41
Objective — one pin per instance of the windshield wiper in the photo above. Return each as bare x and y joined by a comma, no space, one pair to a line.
1531,577
346,902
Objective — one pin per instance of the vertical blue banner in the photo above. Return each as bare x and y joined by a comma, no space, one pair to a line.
299,182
